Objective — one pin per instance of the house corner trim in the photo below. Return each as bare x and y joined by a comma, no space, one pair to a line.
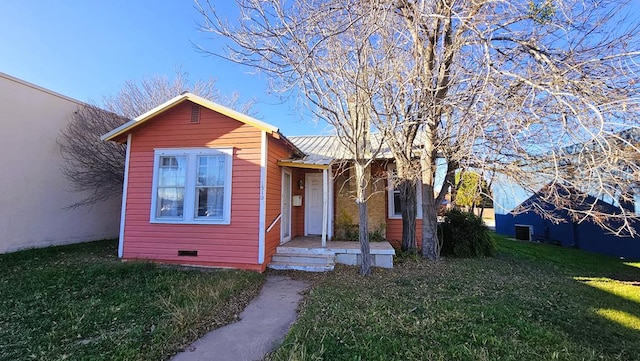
123,207
263,197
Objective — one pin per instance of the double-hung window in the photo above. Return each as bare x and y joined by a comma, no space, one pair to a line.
394,196
192,186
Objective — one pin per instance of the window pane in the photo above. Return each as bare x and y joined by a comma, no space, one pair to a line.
170,202
171,172
211,170
396,204
210,202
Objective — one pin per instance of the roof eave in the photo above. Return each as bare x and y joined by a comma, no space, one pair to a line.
294,164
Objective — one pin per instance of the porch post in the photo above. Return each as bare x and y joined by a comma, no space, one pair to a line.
325,205
331,214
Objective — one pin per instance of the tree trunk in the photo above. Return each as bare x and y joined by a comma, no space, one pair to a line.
430,243
408,207
454,194
362,181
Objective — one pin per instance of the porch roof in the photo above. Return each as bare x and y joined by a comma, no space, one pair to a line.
321,151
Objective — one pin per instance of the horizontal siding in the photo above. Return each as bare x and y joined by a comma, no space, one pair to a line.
297,213
220,251
394,232
193,261
217,245
189,233
219,254
276,152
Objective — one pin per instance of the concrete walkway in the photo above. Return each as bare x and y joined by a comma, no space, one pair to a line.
261,328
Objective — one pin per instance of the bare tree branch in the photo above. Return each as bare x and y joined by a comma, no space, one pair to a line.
96,167
499,87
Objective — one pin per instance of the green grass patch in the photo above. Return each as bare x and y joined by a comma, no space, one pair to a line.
80,302
530,302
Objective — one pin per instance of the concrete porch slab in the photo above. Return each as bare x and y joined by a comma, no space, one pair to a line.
345,252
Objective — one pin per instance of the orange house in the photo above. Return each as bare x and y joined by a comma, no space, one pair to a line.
205,185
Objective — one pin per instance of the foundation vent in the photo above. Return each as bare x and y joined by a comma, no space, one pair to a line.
183,253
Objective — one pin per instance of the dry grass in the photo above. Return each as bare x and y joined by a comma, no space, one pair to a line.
527,303
81,303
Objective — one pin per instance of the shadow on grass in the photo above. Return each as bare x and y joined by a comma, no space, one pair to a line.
602,297
525,304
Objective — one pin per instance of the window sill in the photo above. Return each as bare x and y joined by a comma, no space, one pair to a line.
206,222
400,217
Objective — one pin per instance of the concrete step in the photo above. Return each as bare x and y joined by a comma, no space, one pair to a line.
307,267
303,258
305,251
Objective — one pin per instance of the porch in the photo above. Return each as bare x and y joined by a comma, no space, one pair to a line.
307,254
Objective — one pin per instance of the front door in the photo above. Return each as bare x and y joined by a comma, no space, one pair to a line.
285,230
313,203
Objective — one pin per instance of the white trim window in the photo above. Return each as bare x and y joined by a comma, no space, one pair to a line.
393,196
192,186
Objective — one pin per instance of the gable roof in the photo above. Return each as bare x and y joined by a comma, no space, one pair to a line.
186,96
571,197
627,137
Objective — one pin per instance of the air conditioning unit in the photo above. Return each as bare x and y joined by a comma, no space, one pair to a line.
524,232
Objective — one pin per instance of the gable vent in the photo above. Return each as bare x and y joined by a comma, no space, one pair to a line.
195,113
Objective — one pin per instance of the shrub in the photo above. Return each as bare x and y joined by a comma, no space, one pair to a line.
464,234
378,235
345,229
349,232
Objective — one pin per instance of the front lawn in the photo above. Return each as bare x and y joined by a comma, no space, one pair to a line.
80,302
531,302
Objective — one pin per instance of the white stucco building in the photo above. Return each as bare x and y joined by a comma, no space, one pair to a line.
33,191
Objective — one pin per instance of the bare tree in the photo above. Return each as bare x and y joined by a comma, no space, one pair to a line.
393,108
419,126
499,87
97,167
326,51
507,85
93,166
573,70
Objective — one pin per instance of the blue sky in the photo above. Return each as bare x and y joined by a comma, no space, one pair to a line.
87,49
